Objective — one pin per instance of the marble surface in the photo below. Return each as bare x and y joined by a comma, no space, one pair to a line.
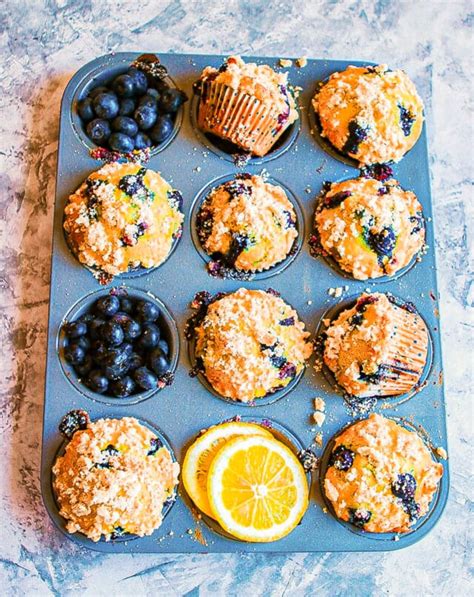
42,44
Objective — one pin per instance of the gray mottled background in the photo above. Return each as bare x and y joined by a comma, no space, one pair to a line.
42,44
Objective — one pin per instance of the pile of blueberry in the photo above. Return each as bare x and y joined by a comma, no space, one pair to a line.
116,347
132,112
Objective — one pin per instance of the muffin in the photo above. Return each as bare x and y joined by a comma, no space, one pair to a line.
247,104
380,476
376,348
372,114
249,344
247,224
370,228
114,478
122,217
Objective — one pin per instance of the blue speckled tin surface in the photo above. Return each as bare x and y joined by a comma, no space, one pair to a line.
181,410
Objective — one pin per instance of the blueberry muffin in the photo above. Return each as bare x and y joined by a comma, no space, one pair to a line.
372,114
249,344
376,348
122,217
370,228
247,224
247,104
380,476
114,478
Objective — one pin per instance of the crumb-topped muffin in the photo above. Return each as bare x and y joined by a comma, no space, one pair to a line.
380,476
372,114
370,228
250,343
376,348
122,217
248,104
247,224
114,478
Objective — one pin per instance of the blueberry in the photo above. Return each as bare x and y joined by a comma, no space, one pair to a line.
126,305
131,329
122,387
162,129
383,242
135,361
404,486
411,508
74,354
125,125
97,381
83,342
106,105
98,351
86,317
163,346
146,311
123,86
94,328
85,109
359,517
145,378
171,100
145,117
150,335
406,120
155,445
83,368
342,458
75,329
153,93
357,134
158,362
112,333
127,106
142,141
114,372
149,101
98,130
121,142
97,91
139,79
73,421
113,357
108,305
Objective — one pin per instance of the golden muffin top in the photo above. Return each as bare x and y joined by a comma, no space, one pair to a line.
370,228
372,114
114,478
247,224
376,348
251,343
258,80
380,476
123,216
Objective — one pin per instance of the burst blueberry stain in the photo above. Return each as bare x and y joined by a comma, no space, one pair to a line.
332,201
411,508
289,221
382,243
287,321
357,135
342,458
155,445
379,172
239,244
406,120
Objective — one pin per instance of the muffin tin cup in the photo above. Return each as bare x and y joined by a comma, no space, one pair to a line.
167,326
354,401
187,406
232,153
104,72
382,537
281,433
274,269
126,537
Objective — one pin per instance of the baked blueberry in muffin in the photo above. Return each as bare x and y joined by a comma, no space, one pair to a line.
370,228
381,477
122,217
249,343
247,224
372,114
376,348
114,478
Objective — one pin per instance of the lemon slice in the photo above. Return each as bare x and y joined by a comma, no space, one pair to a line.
201,453
257,488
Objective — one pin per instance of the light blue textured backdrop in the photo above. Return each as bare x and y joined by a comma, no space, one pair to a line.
42,44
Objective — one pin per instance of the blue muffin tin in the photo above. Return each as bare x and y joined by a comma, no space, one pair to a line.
190,161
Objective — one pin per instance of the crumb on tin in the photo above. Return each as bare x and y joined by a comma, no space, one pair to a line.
285,63
441,452
319,418
301,62
319,404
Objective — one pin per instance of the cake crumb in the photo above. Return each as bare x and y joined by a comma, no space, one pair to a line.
319,418
325,510
336,292
301,62
318,439
189,531
319,404
441,452
285,63
396,538
310,302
